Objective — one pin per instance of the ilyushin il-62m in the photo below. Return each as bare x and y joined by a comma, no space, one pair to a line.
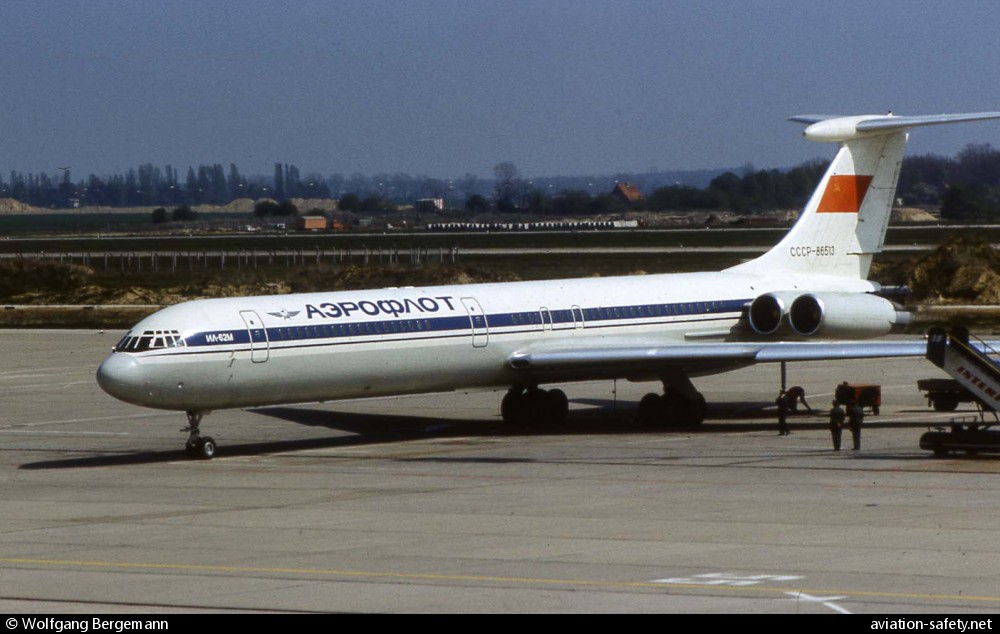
806,299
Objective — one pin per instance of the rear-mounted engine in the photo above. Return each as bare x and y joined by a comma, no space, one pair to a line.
767,312
845,315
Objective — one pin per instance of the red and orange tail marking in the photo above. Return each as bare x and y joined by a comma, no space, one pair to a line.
844,194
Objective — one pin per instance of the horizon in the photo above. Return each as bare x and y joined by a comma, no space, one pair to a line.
443,89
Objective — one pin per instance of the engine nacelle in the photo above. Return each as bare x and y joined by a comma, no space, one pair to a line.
767,313
845,315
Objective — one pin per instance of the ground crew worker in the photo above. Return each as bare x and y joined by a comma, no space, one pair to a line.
782,403
837,417
855,416
796,394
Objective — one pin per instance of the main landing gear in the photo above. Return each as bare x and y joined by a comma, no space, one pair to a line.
534,407
198,446
671,408
679,405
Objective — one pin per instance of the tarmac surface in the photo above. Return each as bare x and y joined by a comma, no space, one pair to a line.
428,504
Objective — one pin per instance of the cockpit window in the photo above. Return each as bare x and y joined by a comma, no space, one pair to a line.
150,340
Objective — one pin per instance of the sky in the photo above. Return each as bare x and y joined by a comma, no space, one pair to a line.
443,88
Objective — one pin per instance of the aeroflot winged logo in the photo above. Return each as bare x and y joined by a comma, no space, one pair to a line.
285,314
844,194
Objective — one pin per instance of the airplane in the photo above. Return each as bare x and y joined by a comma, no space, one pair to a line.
806,299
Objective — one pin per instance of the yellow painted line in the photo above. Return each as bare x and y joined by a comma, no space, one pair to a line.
360,574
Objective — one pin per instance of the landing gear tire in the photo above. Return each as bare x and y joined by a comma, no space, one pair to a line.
945,404
671,410
514,408
555,407
198,446
532,407
690,412
652,410
206,448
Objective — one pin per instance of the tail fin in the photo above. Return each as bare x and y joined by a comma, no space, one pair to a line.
843,225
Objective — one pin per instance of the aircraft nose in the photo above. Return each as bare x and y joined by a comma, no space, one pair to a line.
120,376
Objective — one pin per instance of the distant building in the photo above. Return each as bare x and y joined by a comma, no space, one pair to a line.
428,203
313,223
627,193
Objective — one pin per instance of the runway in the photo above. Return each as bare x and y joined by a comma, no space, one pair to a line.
428,504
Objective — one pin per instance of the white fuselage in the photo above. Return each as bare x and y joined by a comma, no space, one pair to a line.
249,351
239,352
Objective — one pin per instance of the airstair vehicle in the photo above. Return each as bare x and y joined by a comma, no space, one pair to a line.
975,365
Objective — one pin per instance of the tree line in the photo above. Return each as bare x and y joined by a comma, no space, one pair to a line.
964,187
150,185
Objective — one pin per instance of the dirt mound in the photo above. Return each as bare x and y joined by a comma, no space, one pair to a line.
41,281
308,204
962,270
29,277
238,206
11,206
911,214
362,277
246,205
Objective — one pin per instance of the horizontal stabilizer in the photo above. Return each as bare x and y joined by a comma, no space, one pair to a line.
889,123
828,128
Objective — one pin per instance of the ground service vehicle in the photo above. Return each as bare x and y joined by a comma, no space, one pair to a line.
868,396
944,395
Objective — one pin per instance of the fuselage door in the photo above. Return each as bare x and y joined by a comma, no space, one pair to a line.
258,336
546,316
477,318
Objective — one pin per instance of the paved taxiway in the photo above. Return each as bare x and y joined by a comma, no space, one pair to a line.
427,504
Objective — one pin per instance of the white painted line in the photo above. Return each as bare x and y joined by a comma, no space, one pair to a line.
62,385
45,371
84,420
827,601
62,433
726,579
658,440
37,372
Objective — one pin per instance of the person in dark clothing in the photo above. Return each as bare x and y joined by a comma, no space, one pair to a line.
837,418
796,395
782,403
855,416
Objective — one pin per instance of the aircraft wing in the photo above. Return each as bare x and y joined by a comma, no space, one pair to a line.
636,357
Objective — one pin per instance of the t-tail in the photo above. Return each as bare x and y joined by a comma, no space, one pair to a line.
844,223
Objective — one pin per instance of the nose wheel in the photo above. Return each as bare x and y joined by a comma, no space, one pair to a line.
198,446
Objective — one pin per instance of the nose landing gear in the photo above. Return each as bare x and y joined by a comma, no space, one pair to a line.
198,446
